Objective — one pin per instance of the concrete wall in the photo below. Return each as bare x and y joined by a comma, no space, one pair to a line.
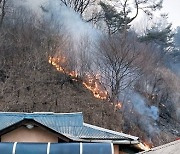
23,134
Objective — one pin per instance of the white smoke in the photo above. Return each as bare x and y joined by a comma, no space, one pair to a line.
69,22
72,21
34,5
137,111
139,103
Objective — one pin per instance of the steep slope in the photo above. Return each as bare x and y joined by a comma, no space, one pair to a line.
52,91
29,83
48,90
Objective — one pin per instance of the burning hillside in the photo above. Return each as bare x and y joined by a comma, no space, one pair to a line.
149,107
91,82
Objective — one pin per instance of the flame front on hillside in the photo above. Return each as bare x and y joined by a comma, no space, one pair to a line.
61,60
89,81
93,84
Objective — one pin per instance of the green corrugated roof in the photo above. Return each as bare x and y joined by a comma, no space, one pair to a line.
67,124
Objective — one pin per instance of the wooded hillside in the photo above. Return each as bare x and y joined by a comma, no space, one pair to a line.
118,78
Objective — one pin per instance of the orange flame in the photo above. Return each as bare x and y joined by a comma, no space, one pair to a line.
61,60
147,147
93,84
118,105
144,146
90,82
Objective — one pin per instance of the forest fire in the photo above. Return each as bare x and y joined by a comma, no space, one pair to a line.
91,82
61,60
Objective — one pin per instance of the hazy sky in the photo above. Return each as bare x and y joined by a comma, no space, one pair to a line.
172,7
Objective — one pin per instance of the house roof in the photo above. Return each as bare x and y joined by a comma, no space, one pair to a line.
70,125
170,148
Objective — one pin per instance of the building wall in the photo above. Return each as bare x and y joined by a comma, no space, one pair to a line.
116,149
23,134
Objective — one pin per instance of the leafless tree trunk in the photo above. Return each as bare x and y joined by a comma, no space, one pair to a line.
117,63
84,53
78,6
2,7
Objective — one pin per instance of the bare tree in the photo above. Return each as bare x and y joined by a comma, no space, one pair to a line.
26,44
3,12
117,63
79,6
84,60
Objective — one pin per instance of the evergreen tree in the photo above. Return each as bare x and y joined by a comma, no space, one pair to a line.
177,38
176,52
119,16
115,21
161,37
